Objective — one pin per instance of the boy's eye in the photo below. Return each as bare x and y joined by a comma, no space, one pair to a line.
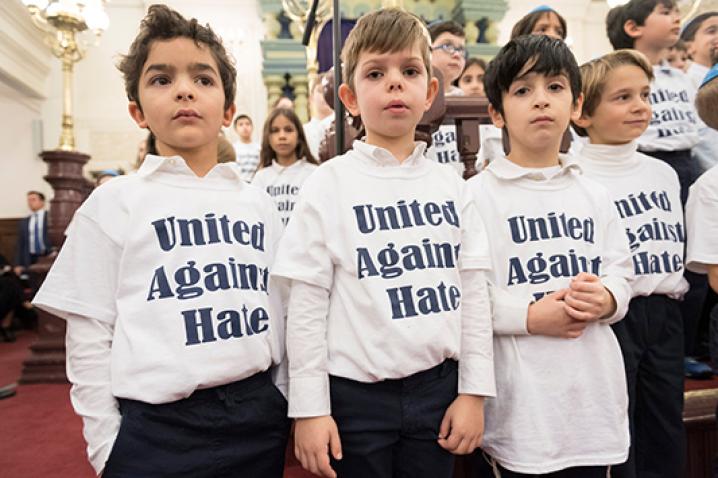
205,81
159,80
374,74
521,91
556,87
411,72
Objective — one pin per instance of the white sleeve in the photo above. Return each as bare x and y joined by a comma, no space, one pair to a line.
88,343
83,278
510,313
702,223
617,268
307,351
476,362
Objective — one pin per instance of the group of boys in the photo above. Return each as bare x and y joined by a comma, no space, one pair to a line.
426,316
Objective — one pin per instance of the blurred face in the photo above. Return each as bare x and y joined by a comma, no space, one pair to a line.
283,138
449,56
624,110
660,29
182,97
34,202
391,93
285,102
677,59
537,111
321,108
244,129
549,25
704,47
471,81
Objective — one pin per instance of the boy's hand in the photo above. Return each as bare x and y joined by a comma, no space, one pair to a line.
314,438
548,316
462,428
588,300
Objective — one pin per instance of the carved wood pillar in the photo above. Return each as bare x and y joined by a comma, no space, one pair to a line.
47,359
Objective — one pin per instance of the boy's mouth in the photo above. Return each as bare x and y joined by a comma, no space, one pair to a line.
396,106
542,120
186,113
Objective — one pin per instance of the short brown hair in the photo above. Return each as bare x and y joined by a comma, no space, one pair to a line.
707,103
445,26
163,23
595,72
386,31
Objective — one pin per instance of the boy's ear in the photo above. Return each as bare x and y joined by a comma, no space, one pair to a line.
137,114
229,115
577,110
349,98
431,93
633,29
496,117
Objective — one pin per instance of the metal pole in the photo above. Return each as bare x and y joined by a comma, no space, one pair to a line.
338,105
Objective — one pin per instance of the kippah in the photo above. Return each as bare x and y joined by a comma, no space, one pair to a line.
109,172
698,18
712,75
542,8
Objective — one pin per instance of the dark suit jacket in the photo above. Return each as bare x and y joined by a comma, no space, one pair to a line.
23,241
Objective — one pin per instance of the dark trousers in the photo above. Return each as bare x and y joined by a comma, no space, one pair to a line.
234,430
651,339
576,472
389,429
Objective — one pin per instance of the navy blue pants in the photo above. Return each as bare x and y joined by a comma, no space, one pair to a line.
389,429
651,339
576,472
238,429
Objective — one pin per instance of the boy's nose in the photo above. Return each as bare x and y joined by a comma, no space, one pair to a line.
184,90
395,80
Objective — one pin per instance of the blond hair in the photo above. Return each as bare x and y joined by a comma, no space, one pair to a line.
385,31
595,72
707,103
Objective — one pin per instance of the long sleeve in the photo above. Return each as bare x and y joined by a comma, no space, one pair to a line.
476,363
88,344
509,312
307,350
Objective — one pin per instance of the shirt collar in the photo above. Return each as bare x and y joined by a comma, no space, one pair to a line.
177,166
382,157
609,157
504,169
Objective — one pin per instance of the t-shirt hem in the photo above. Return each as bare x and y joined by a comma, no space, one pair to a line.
541,468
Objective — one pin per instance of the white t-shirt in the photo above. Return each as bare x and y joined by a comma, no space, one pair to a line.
560,402
284,183
674,124
179,266
388,241
646,194
702,222
314,131
247,159
706,151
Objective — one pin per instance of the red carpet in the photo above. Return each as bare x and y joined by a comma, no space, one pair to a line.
40,435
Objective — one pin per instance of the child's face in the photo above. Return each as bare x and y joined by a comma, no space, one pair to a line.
537,111
244,128
450,64
661,28
391,93
677,58
471,81
182,97
624,110
704,47
549,25
283,137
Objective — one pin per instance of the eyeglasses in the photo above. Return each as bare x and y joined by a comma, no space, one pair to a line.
450,49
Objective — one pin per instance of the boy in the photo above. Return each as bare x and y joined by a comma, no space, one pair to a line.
701,34
448,46
163,281
247,151
322,117
651,26
646,192
677,56
560,277
385,253
702,208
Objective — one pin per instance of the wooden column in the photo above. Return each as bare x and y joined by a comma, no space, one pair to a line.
47,359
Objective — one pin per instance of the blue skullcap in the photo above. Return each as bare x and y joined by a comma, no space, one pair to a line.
108,172
712,75
542,8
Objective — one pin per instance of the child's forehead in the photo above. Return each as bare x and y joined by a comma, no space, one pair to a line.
179,52
625,75
407,54
448,37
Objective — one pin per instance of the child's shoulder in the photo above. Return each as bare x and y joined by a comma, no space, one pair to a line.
658,167
707,184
